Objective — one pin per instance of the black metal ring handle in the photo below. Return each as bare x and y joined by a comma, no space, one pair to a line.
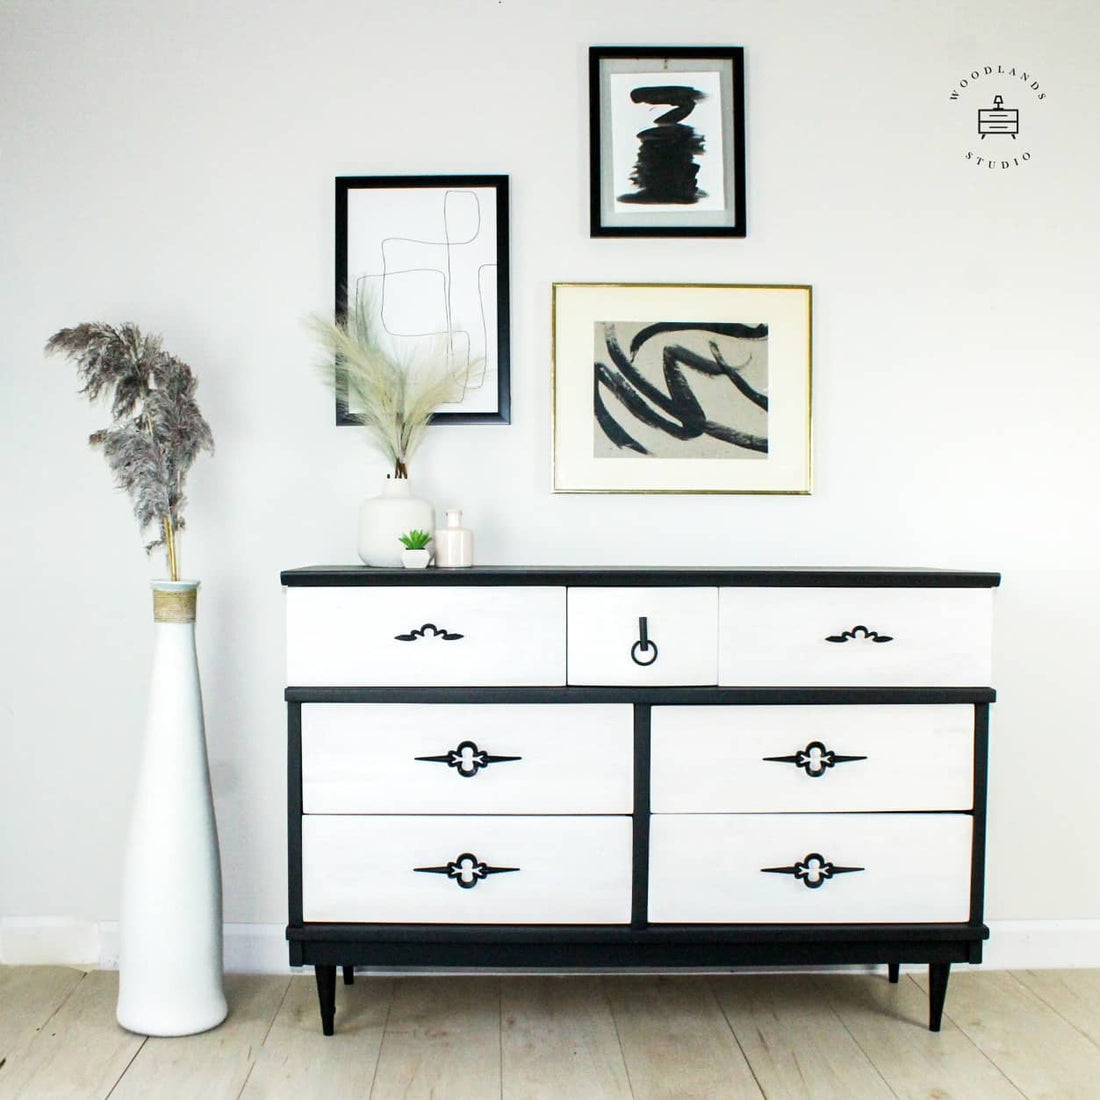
643,644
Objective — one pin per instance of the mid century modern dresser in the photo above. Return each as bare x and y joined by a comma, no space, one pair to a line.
553,767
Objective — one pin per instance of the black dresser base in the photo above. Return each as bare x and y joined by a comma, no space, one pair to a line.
701,947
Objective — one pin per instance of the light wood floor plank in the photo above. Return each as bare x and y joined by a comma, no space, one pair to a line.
559,1040
890,1024
215,1064
81,1052
442,1040
30,995
296,1061
1073,994
1045,1057
794,1042
676,1041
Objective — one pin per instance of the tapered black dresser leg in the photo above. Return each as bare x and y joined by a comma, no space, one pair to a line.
349,975
938,973
326,995
895,972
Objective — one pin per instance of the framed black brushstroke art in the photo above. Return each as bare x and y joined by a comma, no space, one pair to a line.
429,254
681,389
667,141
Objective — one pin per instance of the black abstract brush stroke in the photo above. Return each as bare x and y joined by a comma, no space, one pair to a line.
666,171
721,328
707,366
610,426
684,416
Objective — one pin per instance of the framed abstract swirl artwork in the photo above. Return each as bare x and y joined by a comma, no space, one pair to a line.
664,388
667,141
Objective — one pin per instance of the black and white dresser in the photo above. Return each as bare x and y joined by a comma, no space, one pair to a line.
552,767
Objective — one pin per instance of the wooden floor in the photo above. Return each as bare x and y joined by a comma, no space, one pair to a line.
1005,1034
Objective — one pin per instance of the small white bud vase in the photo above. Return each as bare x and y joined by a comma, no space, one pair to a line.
454,544
170,956
384,518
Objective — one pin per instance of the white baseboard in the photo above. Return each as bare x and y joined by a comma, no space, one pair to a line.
262,948
1042,944
248,948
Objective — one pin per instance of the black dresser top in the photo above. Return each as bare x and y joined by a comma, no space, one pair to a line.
328,576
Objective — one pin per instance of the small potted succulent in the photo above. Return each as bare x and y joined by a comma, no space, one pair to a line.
416,554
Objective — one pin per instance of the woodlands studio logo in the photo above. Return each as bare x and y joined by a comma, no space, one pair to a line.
999,107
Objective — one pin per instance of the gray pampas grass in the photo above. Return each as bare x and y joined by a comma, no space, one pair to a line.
157,430
392,396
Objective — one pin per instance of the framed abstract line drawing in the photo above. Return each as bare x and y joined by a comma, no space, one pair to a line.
429,257
667,141
681,389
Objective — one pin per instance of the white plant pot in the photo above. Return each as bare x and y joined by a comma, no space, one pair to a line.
416,559
170,958
382,519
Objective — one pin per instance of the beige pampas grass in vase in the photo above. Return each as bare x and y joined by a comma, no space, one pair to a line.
392,393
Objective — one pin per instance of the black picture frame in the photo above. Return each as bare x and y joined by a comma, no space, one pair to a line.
678,192
393,229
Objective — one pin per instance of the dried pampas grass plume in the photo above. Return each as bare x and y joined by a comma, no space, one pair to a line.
157,430
392,394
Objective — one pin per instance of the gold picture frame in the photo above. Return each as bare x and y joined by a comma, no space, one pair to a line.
682,388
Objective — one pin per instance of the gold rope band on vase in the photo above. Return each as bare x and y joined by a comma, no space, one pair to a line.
174,607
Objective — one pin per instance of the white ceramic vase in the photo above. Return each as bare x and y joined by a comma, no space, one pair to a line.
170,959
382,519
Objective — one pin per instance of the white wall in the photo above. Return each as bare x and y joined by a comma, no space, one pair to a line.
172,164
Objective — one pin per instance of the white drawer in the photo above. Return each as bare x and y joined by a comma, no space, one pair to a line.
848,636
783,759
761,868
425,635
643,636
467,758
467,870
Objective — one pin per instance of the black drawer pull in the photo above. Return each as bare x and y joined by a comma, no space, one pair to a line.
815,759
467,870
813,870
423,632
468,759
643,644
862,634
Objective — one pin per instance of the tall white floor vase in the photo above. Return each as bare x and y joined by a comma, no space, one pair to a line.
170,961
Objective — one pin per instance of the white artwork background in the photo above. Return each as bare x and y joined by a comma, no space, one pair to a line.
427,256
628,118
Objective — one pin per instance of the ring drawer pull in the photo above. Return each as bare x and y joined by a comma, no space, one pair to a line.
813,870
643,644
423,632
467,870
468,759
815,759
860,633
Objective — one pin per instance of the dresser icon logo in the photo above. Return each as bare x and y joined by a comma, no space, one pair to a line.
998,119
998,95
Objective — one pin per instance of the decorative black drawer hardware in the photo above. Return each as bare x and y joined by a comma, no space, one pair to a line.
643,645
815,759
467,870
813,869
428,630
862,634
468,759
